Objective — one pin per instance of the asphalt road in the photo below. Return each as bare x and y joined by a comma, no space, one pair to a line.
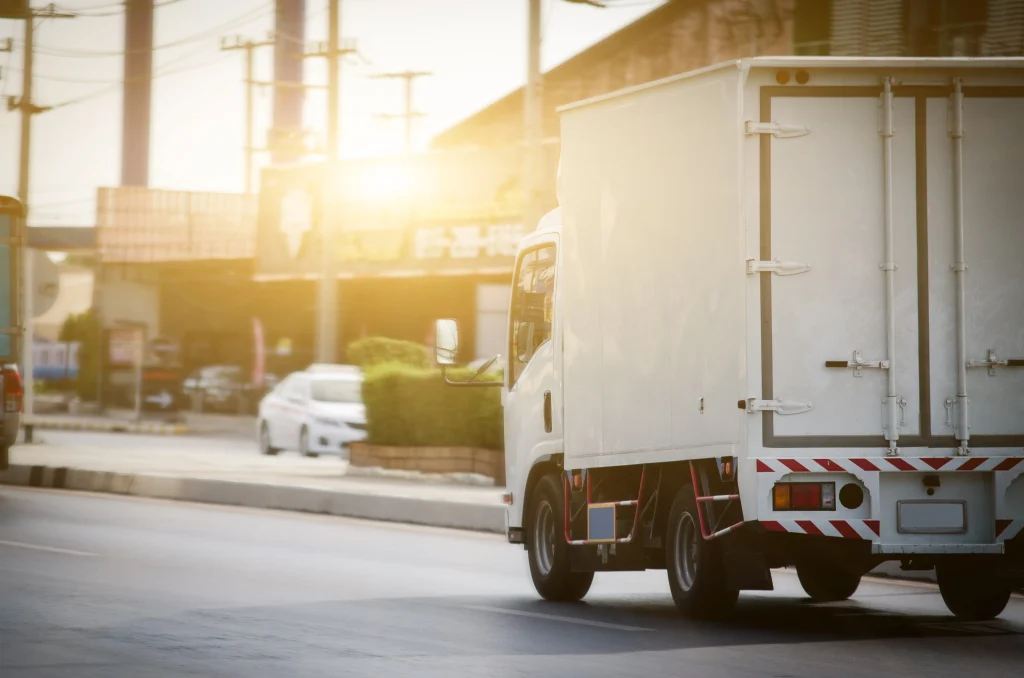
115,587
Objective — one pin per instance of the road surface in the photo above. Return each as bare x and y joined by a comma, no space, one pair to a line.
115,587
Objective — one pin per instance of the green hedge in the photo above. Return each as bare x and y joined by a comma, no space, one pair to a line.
381,350
413,407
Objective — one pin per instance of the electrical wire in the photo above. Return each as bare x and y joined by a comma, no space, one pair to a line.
106,90
248,16
105,10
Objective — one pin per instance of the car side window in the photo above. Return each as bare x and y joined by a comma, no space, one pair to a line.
292,388
532,300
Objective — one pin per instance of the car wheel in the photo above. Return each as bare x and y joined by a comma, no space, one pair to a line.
265,447
304,444
695,574
547,551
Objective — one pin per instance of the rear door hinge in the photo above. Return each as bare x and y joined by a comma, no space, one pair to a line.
777,267
777,130
779,406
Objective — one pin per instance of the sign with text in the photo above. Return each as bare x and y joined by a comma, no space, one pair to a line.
440,212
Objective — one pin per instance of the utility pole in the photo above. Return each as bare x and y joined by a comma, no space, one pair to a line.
27,108
410,113
533,120
249,47
137,92
327,290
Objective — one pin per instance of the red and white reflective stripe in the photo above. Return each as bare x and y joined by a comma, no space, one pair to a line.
847,529
1008,529
876,464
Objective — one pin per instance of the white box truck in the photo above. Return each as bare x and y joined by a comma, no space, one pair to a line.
777,320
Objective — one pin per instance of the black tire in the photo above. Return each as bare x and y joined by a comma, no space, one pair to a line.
304,444
265,447
695,573
827,582
972,594
5,457
546,548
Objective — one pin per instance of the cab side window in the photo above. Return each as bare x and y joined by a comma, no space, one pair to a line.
532,299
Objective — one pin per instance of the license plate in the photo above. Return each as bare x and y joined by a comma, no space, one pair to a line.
931,517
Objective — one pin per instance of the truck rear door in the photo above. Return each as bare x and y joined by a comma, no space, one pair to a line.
861,364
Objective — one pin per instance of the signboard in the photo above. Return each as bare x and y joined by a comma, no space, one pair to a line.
144,225
55,360
442,212
124,346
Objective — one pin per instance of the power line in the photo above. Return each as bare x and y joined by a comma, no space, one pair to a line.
112,88
250,15
102,10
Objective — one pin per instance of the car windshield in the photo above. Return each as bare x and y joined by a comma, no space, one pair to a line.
336,390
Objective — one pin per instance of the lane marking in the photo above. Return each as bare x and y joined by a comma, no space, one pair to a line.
49,549
557,618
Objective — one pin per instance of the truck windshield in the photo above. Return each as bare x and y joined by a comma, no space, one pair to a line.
336,390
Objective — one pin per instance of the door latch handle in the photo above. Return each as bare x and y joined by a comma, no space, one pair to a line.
547,411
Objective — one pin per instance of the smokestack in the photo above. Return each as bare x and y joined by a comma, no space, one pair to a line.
290,40
138,73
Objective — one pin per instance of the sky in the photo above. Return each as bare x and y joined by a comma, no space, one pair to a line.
476,50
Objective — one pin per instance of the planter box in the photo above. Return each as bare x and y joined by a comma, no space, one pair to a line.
490,463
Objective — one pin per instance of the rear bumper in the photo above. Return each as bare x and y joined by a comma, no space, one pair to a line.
989,489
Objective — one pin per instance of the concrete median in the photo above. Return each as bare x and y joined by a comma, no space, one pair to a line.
389,507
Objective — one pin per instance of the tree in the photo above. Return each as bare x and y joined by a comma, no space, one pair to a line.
84,328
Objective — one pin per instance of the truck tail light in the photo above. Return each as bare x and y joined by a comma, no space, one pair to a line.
804,497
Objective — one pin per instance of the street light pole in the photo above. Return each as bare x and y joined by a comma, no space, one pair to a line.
327,297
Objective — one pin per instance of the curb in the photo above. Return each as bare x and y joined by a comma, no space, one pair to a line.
387,508
109,427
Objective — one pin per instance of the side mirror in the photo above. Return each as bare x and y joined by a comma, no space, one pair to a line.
446,342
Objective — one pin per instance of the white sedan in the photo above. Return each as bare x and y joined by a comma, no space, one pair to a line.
319,411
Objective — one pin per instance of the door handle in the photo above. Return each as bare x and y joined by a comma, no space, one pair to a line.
547,411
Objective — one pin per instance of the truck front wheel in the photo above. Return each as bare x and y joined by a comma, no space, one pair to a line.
972,594
826,582
695,573
546,548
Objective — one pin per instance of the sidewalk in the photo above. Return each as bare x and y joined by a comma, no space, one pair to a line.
240,479
122,421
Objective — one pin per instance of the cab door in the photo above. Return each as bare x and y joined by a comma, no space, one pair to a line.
532,404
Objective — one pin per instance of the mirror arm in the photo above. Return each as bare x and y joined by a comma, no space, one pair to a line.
470,383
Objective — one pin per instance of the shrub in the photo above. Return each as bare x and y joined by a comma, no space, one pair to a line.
413,407
380,350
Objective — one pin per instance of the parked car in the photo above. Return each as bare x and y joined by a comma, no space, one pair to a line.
314,412
220,388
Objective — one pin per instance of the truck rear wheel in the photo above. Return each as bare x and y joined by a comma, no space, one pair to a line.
695,573
546,548
826,582
972,594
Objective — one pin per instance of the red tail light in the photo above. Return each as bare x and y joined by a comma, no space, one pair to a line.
804,497
14,390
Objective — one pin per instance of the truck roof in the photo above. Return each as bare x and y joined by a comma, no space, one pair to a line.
930,63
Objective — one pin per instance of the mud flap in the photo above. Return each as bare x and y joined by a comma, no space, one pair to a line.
745,566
